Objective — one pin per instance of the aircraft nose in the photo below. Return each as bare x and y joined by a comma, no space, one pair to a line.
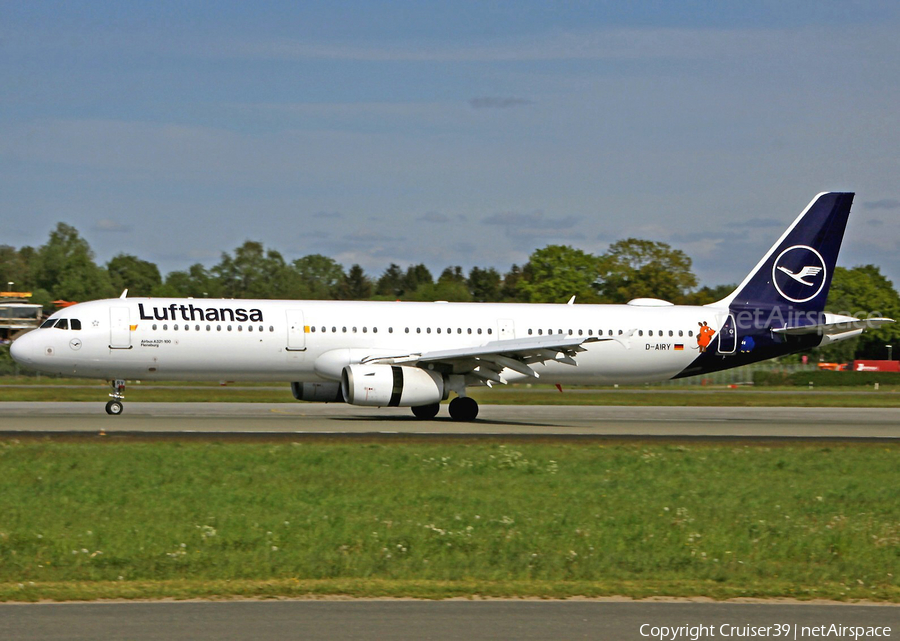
21,349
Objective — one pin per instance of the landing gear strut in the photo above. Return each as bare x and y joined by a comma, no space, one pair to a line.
463,408
114,407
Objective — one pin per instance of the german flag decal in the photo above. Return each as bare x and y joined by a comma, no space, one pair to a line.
679,347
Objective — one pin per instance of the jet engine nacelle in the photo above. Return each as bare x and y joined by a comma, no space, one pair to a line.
391,385
318,392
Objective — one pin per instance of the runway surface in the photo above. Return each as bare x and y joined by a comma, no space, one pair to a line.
402,620
546,421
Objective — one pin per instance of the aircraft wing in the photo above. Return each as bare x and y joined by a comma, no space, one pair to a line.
518,354
830,329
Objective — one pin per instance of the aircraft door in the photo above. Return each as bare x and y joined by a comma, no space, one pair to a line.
296,331
506,329
119,328
728,336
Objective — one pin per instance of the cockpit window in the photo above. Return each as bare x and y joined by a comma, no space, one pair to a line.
63,323
50,322
74,324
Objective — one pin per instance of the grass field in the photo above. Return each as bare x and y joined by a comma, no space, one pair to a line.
127,519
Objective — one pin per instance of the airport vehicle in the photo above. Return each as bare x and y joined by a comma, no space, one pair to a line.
417,354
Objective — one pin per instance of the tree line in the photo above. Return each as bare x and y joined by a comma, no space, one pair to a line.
65,268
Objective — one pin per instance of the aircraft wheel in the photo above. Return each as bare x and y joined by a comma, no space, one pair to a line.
114,408
463,408
426,412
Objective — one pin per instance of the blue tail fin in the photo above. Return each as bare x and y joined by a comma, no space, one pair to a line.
796,272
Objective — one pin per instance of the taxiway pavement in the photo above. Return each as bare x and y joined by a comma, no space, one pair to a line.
547,421
402,620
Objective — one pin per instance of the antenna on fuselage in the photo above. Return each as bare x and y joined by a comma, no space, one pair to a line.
124,294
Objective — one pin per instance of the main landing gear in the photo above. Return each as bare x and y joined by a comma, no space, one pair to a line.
114,407
461,408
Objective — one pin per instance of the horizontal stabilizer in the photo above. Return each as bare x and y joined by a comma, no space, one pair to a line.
830,329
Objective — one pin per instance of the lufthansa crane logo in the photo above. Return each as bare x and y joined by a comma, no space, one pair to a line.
799,273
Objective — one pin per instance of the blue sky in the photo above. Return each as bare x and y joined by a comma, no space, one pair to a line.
466,133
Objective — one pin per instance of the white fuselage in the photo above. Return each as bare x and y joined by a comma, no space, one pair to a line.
200,339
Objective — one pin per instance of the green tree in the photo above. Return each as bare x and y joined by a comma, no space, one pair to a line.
556,273
255,272
355,285
391,284
859,292
706,295
510,291
452,286
484,284
65,267
13,268
140,277
196,282
319,275
416,276
635,268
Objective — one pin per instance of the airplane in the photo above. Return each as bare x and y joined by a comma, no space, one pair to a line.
413,354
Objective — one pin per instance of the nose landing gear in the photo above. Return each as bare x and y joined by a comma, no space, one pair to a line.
114,407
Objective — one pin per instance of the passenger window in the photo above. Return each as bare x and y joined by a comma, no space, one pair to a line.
154,326
344,329
591,332
650,333
581,332
640,332
63,323
681,332
175,327
365,330
540,332
427,330
479,330
671,333
438,330
418,330
75,324
228,328
490,331
240,328
374,330
196,328
570,332
354,330
529,332
390,330
312,329
690,332
469,330
459,330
